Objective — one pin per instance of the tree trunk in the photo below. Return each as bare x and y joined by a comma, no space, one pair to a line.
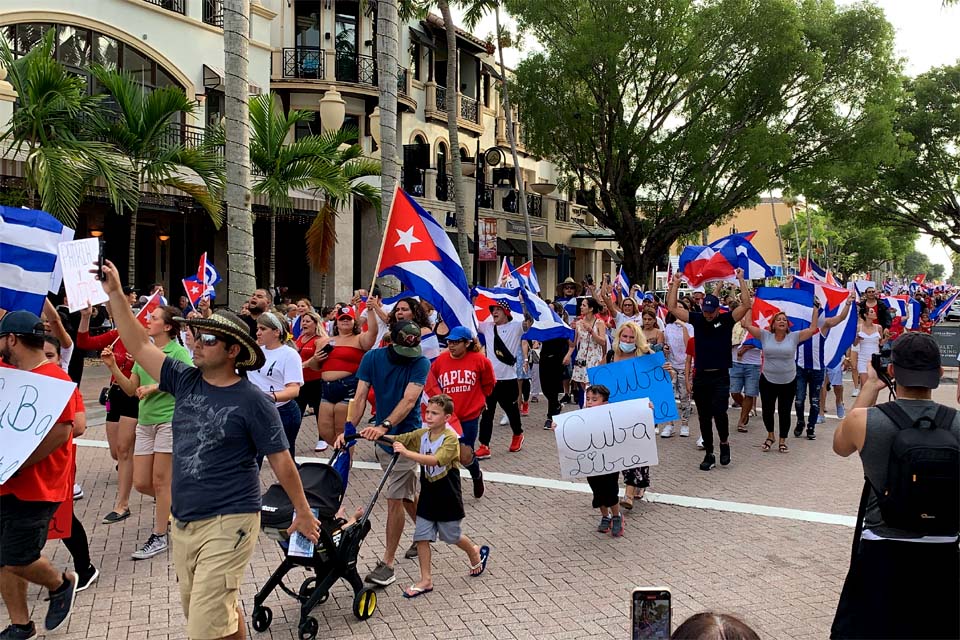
273,251
132,250
796,232
240,267
776,226
452,112
521,188
387,56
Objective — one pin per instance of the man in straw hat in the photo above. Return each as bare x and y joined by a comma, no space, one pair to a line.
220,423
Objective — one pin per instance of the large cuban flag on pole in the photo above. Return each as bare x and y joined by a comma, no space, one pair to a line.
720,259
417,251
28,257
547,325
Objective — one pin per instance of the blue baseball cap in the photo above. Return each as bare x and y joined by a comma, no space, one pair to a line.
459,333
21,323
710,303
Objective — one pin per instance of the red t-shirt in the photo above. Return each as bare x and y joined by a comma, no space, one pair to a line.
51,479
124,360
307,347
468,381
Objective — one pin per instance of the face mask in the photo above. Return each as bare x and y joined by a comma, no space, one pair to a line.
628,347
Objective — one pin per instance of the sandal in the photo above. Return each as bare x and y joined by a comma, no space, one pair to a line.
626,502
767,444
742,428
481,566
783,448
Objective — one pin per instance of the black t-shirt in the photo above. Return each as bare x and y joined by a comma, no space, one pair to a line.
554,348
713,341
251,324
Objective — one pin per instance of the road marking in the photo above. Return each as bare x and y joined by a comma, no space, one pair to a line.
580,487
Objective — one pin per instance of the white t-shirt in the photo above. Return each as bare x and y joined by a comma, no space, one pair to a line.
622,319
511,334
65,354
283,367
673,335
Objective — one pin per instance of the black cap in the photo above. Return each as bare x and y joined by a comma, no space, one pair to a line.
710,303
916,361
21,323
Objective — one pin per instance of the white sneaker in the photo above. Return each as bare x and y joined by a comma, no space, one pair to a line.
504,421
855,392
684,431
155,544
321,445
700,443
77,492
667,431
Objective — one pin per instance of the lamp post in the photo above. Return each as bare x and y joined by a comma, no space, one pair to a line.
492,156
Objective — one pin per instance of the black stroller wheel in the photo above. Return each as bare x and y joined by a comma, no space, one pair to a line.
307,588
364,603
308,628
262,617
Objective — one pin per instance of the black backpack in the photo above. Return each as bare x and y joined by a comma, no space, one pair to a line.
922,490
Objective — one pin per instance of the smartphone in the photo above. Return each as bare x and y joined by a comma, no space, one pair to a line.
327,348
100,259
651,613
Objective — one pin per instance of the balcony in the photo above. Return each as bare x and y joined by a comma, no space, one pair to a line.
402,74
213,12
359,69
469,109
441,99
176,6
563,211
303,62
446,187
535,205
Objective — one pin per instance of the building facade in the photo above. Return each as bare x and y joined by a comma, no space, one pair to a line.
301,50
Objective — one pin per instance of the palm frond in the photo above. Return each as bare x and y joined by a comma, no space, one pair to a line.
322,238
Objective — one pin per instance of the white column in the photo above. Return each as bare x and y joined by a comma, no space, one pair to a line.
7,97
342,268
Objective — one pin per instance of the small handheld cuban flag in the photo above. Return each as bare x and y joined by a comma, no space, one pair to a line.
621,284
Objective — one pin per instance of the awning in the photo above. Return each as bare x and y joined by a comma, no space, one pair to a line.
453,238
423,37
506,248
544,249
610,253
519,247
213,79
493,71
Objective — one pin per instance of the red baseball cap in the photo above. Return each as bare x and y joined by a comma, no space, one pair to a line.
347,311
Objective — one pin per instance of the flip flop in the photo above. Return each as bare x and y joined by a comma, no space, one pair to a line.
477,570
417,591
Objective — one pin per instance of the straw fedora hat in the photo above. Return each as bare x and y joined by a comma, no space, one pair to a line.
228,325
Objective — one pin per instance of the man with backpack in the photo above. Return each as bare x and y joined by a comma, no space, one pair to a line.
904,577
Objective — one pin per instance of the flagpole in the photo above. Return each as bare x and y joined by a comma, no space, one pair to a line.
383,240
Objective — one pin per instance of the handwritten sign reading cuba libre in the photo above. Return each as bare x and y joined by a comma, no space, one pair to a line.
29,407
640,377
606,439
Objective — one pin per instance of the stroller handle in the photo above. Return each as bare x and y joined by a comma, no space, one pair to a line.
387,440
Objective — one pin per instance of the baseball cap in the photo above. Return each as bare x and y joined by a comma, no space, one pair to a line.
710,303
459,333
21,323
503,305
347,311
406,339
916,361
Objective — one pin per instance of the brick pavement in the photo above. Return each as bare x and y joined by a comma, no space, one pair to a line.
550,574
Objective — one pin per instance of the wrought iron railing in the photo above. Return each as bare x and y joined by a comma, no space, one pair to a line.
303,62
563,211
413,181
469,109
402,80
441,98
213,12
510,202
446,187
351,67
177,6
486,196
535,205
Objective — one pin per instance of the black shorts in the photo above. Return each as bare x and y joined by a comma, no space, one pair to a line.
120,404
606,489
23,529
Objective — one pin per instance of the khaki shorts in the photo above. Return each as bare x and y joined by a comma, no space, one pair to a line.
402,482
153,438
210,557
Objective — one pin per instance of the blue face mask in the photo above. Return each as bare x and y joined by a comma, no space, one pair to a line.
628,347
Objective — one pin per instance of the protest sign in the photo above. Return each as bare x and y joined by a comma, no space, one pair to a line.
609,438
643,376
77,258
24,418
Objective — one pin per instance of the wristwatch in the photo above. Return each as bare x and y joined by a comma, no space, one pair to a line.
387,425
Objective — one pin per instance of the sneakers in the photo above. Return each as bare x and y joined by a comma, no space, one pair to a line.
667,431
548,425
709,462
841,411
616,526
684,431
798,431
77,492
811,435
478,487
604,525
855,392
525,408
412,552
61,603
515,443
321,445
504,421
114,516
19,631
821,419
565,399
382,575
700,443
724,454
87,577
482,452
154,545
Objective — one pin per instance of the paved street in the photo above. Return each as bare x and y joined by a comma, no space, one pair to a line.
550,574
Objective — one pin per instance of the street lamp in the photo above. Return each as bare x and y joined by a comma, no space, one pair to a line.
492,156
332,110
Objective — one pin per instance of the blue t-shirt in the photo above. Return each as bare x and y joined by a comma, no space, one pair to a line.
389,381
217,434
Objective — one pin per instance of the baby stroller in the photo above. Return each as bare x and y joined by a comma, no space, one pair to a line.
335,554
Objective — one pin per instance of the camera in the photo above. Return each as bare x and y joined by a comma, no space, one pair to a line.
880,363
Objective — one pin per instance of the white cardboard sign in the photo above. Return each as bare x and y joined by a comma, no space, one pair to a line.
76,259
606,439
30,404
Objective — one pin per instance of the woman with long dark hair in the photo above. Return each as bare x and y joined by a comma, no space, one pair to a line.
281,375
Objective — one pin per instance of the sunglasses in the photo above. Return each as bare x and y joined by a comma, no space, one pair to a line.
206,339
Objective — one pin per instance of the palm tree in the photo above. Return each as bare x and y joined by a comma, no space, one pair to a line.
140,125
45,131
387,62
310,163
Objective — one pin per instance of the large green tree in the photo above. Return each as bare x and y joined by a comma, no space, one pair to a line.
919,188
670,114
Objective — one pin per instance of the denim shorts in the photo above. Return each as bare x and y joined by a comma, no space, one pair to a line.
745,379
337,391
469,428
449,531
835,376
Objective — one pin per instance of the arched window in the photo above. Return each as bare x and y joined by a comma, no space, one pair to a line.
442,157
419,139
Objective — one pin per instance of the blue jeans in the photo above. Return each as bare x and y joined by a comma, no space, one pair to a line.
811,379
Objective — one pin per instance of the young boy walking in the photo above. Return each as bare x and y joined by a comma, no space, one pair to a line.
440,507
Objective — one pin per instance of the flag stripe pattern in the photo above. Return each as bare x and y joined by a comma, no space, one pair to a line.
28,257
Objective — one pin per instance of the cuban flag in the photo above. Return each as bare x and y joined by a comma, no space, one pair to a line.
484,297
940,312
524,276
827,352
152,304
621,284
28,257
720,259
206,272
341,459
796,303
417,251
547,325
196,291
907,309
831,297
506,269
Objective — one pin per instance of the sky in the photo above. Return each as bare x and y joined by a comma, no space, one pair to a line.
926,36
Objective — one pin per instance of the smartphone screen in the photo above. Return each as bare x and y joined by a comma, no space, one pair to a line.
100,259
651,613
